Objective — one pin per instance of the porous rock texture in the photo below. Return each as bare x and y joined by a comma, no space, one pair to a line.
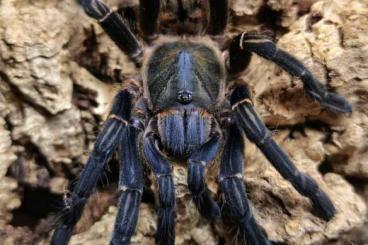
59,72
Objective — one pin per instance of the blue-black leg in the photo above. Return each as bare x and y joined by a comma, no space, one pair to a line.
130,187
196,183
104,147
165,234
149,11
219,12
232,187
244,44
257,132
115,27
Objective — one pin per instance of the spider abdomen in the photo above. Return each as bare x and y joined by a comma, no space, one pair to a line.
182,130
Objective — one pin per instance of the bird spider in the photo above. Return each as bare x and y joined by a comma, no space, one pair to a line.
186,106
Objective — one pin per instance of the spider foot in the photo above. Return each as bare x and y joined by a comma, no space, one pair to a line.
126,219
322,206
70,216
207,207
165,234
237,212
334,102
250,233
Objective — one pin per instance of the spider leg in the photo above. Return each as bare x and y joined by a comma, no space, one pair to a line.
232,187
257,132
165,234
219,12
131,187
104,147
149,11
239,56
115,27
196,166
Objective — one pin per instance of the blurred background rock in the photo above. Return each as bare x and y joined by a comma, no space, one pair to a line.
59,72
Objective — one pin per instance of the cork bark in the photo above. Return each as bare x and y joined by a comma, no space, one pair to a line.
59,73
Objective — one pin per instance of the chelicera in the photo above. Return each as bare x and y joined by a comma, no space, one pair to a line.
186,105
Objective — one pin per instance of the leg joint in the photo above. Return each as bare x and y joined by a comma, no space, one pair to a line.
125,188
232,176
116,117
243,101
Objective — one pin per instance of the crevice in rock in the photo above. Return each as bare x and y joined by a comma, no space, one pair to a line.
85,99
313,19
21,167
93,61
317,125
23,97
325,167
37,204
359,183
271,20
281,203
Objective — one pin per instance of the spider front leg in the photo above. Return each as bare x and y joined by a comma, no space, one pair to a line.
196,166
219,12
239,56
104,147
115,27
165,234
257,132
149,11
232,187
130,185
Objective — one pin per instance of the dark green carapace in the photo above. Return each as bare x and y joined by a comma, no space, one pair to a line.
184,73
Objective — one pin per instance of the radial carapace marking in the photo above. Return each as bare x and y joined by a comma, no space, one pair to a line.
189,73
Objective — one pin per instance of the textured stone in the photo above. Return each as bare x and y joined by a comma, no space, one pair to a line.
59,73
8,199
34,57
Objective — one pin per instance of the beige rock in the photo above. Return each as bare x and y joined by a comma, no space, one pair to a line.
9,200
34,57
57,69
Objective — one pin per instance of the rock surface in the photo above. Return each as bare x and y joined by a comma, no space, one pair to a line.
58,75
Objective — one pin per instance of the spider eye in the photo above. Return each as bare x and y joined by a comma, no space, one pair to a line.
184,97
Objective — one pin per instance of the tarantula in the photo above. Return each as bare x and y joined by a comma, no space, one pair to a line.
185,106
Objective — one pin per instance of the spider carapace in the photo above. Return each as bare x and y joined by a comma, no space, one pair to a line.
186,105
185,95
